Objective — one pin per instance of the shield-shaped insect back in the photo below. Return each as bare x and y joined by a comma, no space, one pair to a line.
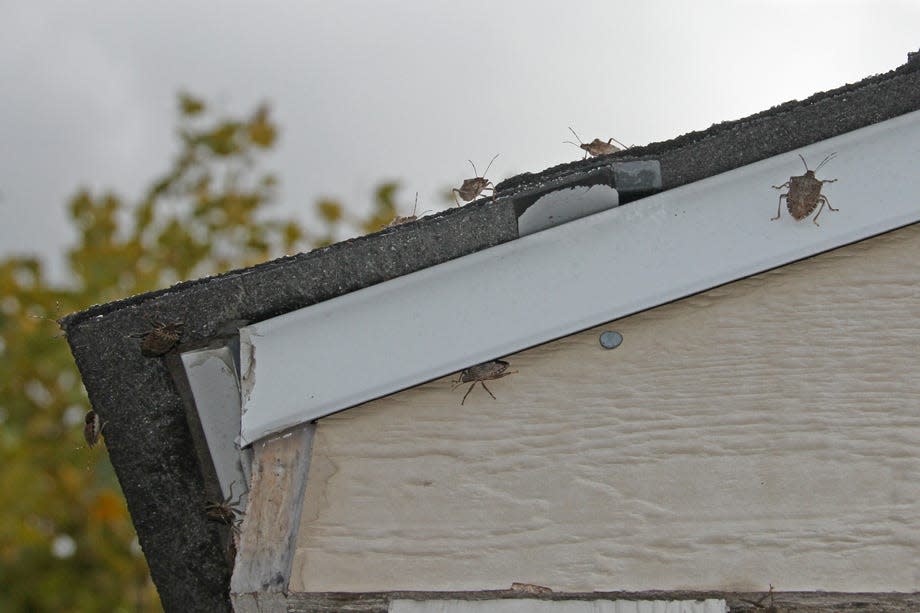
804,193
471,188
413,217
597,146
160,339
92,428
480,373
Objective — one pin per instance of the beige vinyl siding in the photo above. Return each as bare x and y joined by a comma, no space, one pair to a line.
558,606
767,431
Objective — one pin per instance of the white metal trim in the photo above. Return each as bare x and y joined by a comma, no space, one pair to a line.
369,343
215,387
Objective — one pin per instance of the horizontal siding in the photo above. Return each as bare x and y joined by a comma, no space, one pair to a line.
763,432
558,606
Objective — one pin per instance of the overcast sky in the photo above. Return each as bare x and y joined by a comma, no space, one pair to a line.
370,90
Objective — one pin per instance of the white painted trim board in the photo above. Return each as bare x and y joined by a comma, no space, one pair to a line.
309,363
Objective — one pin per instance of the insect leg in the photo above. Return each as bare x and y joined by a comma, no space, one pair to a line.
779,206
823,200
468,393
786,184
483,383
230,497
455,195
821,208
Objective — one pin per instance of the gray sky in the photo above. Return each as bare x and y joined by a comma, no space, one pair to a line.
369,90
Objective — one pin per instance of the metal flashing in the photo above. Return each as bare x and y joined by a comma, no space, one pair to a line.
585,193
381,339
214,384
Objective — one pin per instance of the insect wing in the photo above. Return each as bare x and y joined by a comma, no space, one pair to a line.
92,427
161,339
471,187
484,371
401,220
530,588
220,512
803,196
599,147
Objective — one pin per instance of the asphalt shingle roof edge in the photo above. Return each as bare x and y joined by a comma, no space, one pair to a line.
148,436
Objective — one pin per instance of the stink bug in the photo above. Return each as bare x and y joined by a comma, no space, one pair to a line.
160,339
759,603
223,512
804,193
480,373
597,146
471,188
530,588
92,428
401,220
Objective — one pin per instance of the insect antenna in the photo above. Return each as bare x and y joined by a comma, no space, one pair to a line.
579,143
475,172
57,309
490,165
826,160
415,207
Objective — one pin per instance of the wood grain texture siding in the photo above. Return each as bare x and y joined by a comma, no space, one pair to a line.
525,605
765,431
738,602
269,531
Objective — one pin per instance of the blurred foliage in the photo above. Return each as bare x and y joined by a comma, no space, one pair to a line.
66,539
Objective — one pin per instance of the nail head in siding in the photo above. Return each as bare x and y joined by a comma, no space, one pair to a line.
611,339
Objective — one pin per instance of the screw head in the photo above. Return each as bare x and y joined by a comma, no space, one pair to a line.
611,339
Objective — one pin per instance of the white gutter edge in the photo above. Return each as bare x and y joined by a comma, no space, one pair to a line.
381,339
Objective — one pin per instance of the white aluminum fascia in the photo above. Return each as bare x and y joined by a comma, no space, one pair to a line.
215,387
339,353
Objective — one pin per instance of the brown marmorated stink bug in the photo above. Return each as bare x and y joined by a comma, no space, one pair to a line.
225,512
401,220
160,339
530,588
759,603
471,188
480,373
92,428
804,193
597,146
